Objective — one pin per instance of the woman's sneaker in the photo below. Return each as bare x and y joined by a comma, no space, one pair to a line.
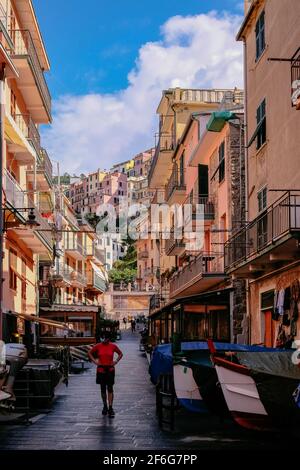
105,410
111,412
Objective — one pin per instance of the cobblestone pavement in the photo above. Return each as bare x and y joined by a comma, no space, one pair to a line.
75,421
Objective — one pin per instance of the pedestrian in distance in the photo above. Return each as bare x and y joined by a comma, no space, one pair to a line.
102,354
132,325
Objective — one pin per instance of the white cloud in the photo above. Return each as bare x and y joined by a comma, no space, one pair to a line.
97,130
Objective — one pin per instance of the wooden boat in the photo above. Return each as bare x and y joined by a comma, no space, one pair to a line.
186,388
241,395
258,388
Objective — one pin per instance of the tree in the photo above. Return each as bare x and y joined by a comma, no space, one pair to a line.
125,269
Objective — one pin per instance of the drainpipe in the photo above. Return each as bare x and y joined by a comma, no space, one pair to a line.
246,181
2,113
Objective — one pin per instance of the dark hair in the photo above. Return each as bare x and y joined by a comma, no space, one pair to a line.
106,335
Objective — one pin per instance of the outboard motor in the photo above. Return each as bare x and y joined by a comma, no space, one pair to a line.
13,358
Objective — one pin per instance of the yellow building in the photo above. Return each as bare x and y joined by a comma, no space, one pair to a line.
26,167
71,289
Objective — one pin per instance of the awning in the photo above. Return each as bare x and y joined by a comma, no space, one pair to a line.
36,319
70,308
218,119
98,271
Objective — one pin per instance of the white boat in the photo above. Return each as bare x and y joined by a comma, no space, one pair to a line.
241,395
186,389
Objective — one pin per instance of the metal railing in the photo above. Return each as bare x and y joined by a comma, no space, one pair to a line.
278,220
29,130
45,229
74,245
3,16
98,282
79,277
14,194
201,205
45,165
175,240
176,181
62,270
204,263
24,47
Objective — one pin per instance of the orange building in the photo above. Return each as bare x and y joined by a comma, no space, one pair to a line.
266,251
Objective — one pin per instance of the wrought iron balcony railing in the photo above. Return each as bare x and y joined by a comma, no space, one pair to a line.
204,263
45,165
24,47
200,205
176,181
280,219
14,194
29,130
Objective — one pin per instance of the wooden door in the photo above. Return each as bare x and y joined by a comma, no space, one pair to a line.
269,329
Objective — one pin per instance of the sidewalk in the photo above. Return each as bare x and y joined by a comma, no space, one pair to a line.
76,422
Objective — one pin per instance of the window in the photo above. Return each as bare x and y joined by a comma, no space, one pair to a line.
222,162
13,104
262,199
261,124
120,183
108,255
262,228
23,286
181,170
260,35
13,269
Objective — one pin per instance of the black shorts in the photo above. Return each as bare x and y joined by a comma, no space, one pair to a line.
105,376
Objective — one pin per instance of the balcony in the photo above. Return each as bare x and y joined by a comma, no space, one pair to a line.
29,130
31,79
95,282
43,174
39,240
162,161
144,254
201,208
96,254
78,279
61,275
175,188
203,273
74,248
175,244
22,137
268,241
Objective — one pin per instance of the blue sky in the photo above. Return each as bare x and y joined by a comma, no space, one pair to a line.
92,49
111,60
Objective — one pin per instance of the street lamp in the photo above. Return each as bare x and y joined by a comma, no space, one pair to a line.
31,221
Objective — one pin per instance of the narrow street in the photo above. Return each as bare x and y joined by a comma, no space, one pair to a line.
75,421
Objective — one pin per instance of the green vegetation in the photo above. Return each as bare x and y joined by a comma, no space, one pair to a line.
125,270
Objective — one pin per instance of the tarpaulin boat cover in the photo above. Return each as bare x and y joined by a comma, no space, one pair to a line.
274,363
161,362
200,345
276,378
